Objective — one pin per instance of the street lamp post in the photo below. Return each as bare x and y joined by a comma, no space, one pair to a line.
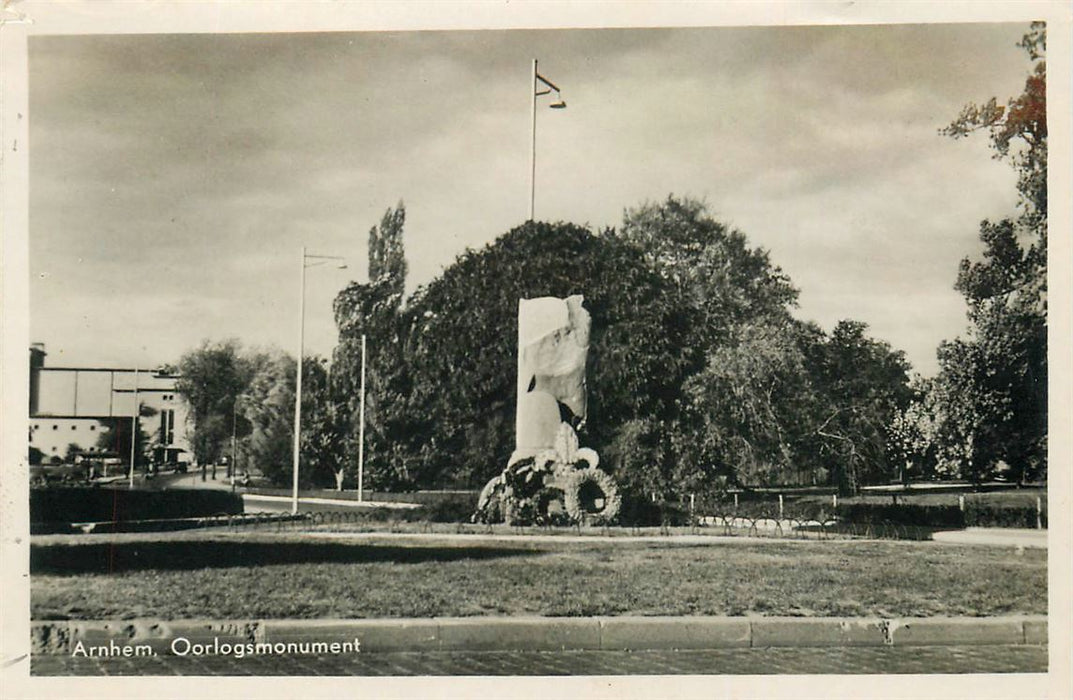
361,427
234,442
298,382
233,465
536,92
321,259
133,429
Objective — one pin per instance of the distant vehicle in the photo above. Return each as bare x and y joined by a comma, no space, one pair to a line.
179,466
1002,472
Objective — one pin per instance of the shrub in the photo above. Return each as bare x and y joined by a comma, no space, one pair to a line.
926,516
637,511
984,514
453,508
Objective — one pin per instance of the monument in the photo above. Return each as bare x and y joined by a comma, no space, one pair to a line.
549,476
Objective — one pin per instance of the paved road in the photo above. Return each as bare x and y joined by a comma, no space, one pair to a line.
835,660
1003,537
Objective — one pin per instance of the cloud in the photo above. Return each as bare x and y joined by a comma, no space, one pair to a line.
176,176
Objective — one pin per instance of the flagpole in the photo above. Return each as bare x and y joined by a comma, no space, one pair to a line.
537,78
532,144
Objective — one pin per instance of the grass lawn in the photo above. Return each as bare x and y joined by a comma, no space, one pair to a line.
266,575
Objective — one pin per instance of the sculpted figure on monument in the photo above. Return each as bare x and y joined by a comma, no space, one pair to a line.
547,465
553,347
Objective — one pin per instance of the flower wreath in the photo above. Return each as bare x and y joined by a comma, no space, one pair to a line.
602,480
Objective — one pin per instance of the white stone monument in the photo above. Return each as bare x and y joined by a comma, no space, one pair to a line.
553,348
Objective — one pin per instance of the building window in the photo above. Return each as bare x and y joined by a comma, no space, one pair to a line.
55,427
92,427
167,427
74,427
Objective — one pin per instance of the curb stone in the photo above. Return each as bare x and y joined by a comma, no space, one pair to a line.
957,630
375,635
1036,631
519,634
543,633
797,632
643,633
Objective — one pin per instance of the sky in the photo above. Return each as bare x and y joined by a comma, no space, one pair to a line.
175,178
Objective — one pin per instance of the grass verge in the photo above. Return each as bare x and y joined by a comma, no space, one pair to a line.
261,575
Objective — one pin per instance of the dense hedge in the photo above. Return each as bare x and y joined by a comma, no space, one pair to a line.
90,504
875,513
991,515
450,508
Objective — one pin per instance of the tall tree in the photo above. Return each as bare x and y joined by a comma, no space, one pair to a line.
268,408
997,376
324,428
738,303
116,437
211,377
374,310
387,254
777,401
710,264
916,435
863,384
749,410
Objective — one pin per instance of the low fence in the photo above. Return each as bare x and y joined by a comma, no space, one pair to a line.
727,524
782,518
1014,510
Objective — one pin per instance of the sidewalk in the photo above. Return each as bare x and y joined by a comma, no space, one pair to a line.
742,662
192,480
627,633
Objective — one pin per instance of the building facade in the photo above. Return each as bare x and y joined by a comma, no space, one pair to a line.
71,407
